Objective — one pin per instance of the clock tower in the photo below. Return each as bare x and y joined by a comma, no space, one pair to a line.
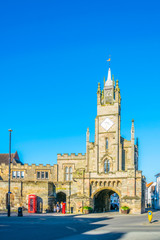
107,126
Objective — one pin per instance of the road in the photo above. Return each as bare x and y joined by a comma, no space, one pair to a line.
78,227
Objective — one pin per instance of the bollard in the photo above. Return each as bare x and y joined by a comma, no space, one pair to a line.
150,216
20,212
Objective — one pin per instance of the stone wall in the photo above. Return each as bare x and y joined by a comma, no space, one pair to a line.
21,188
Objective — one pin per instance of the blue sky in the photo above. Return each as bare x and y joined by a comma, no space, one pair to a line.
52,56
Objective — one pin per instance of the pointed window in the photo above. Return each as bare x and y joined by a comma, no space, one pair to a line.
106,166
106,143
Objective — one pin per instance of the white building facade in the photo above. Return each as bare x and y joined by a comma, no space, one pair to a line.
150,195
157,192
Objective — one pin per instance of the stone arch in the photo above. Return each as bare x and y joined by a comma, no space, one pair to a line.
114,184
92,182
119,184
106,188
60,197
104,199
100,183
96,183
109,183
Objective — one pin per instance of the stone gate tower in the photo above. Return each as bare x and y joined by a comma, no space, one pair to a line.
110,164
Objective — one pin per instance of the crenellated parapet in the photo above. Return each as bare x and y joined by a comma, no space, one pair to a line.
31,172
71,156
26,166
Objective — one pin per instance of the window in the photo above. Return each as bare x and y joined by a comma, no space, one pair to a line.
22,174
106,166
42,175
46,174
18,174
70,174
66,173
38,174
14,174
106,143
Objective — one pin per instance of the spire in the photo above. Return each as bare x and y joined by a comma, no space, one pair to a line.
113,79
137,142
109,81
87,135
132,131
99,94
99,88
102,94
117,86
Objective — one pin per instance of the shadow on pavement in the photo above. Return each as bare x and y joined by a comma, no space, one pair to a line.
108,236
52,227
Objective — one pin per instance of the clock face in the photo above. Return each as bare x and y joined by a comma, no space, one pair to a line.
109,93
107,124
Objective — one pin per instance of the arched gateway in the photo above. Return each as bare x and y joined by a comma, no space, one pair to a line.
103,199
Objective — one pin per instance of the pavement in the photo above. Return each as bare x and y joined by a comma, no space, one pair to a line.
97,226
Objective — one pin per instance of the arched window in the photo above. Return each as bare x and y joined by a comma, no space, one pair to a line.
106,143
106,166
70,174
66,173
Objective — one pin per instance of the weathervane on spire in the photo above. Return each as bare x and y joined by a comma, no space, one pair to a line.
109,60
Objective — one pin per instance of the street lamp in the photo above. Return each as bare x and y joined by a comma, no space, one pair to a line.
9,174
70,194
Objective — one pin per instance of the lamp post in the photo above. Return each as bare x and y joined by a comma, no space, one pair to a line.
9,174
69,196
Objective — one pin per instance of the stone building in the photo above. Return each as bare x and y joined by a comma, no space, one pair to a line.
109,166
150,194
25,180
157,192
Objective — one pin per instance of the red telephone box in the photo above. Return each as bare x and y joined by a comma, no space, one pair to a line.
32,203
63,208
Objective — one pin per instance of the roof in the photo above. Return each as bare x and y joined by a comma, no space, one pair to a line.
4,158
157,175
149,184
109,81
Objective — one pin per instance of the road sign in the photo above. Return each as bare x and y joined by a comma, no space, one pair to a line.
150,216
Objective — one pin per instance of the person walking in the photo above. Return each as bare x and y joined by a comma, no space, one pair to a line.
57,207
61,206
